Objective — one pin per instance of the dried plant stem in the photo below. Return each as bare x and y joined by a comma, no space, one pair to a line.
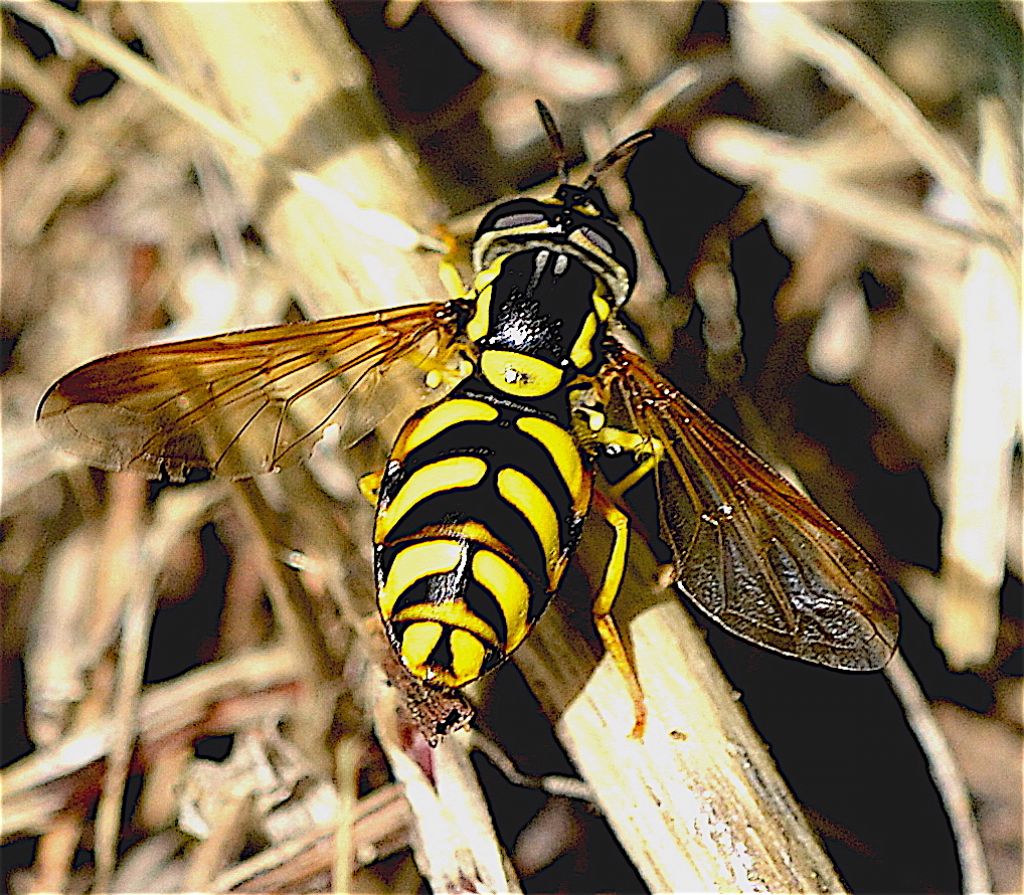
948,780
176,513
380,826
698,803
791,170
347,756
134,68
138,616
56,851
210,855
40,785
456,845
567,787
985,425
864,80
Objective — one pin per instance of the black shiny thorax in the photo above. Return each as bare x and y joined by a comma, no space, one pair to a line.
539,304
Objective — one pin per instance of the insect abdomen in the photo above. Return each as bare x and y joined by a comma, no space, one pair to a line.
480,507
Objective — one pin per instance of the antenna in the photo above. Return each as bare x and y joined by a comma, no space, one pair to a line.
626,148
555,139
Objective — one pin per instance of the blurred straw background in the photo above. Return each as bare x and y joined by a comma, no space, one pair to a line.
828,221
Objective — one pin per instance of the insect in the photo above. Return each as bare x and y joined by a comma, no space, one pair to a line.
481,503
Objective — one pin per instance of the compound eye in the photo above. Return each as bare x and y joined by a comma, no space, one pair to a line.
598,240
522,219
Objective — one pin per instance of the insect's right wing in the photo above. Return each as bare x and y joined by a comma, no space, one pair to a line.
748,548
235,404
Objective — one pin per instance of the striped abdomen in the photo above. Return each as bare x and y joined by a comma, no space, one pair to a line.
480,508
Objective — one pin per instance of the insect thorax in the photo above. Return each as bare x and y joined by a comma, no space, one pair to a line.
539,321
549,276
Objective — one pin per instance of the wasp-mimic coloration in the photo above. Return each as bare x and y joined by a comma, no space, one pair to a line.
482,500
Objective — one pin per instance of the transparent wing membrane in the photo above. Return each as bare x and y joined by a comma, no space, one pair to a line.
236,404
748,548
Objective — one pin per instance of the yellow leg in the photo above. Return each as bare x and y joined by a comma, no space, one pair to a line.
442,372
602,608
447,270
369,485
646,447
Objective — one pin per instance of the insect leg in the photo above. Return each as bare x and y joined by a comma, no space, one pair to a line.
439,366
447,270
369,485
602,608
647,449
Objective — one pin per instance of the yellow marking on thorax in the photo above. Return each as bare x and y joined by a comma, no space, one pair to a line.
434,478
454,614
583,348
510,591
582,352
415,562
480,322
519,374
443,416
562,449
526,496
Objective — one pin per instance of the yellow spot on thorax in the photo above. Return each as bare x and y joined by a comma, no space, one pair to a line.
480,322
582,352
519,374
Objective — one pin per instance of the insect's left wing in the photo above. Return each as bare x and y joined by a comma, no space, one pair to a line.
238,403
748,548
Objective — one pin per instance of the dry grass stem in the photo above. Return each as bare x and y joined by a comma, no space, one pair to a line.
698,803
347,756
863,80
39,786
789,171
983,433
455,844
132,67
947,776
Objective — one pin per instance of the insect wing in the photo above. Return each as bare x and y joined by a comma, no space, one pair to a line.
748,548
236,404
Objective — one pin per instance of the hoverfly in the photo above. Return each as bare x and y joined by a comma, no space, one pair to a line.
481,503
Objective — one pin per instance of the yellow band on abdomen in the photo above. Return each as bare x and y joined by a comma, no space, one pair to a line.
527,496
434,478
415,562
442,416
451,614
509,590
